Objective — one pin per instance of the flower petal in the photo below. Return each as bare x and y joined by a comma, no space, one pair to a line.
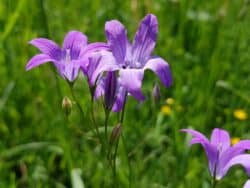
71,70
247,184
243,159
145,39
131,80
230,153
220,139
120,99
38,60
211,151
161,68
117,39
74,41
48,47
94,47
100,62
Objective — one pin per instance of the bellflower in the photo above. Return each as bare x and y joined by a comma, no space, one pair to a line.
131,60
247,184
221,155
109,86
68,59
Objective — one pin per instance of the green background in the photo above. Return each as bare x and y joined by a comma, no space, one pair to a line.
207,44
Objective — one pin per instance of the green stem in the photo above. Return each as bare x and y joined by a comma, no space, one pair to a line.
116,146
93,117
76,101
127,154
115,184
123,109
107,112
214,182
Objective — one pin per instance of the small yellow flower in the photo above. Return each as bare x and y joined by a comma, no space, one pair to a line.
235,140
240,114
170,101
166,110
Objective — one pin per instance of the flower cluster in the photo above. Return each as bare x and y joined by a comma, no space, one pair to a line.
113,69
221,155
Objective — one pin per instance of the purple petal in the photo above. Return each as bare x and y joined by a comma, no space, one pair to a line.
211,151
247,184
99,90
161,68
120,99
74,41
145,38
117,39
230,153
110,89
38,60
243,159
71,70
131,80
100,62
94,47
220,139
196,134
48,47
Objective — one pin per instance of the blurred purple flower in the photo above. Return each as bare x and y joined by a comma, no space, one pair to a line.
247,184
131,60
221,156
74,53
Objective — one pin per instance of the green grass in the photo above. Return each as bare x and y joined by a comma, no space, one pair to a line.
205,42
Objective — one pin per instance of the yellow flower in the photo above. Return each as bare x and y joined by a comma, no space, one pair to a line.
170,101
166,110
240,114
235,140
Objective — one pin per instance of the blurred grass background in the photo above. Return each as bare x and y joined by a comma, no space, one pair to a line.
207,44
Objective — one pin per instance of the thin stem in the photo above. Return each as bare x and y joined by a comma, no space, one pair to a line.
107,112
76,101
114,165
93,116
214,182
123,109
116,146
129,164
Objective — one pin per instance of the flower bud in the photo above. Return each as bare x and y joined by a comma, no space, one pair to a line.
156,93
66,105
110,90
116,132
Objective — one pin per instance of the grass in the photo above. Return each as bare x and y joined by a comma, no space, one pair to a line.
205,42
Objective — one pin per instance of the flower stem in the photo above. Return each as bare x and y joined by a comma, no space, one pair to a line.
76,101
93,116
129,164
107,112
214,183
116,146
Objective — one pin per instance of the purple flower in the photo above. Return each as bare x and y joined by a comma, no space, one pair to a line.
131,60
247,184
110,90
68,59
221,155
113,93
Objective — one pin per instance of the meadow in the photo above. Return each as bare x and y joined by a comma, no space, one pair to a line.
207,45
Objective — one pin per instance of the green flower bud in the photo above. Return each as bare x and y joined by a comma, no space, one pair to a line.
66,106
